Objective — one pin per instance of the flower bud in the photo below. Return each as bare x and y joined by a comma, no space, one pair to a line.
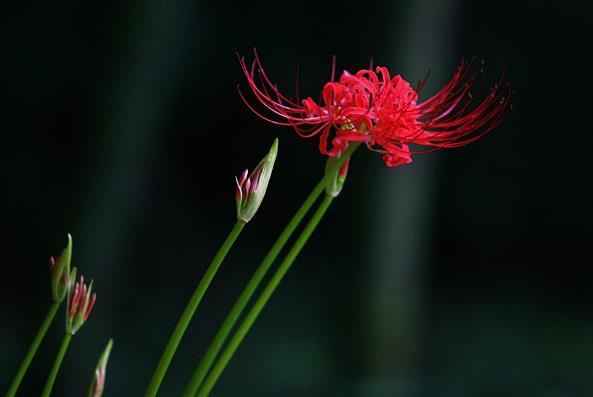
336,176
60,272
98,382
80,305
252,189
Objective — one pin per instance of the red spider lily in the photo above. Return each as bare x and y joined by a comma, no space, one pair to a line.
384,112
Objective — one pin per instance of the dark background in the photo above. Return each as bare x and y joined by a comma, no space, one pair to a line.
466,273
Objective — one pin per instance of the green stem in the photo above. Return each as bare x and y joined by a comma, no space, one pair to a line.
56,367
224,330
49,317
263,298
190,309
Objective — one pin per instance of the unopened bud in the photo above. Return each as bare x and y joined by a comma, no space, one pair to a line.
98,382
252,189
80,305
336,176
60,272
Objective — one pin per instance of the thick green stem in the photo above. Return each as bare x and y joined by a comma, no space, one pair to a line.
263,298
206,362
56,367
190,309
224,330
49,317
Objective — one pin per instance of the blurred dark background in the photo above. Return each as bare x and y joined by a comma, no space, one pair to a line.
466,273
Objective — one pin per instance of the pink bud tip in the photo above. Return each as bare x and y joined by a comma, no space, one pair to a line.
74,300
238,194
243,177
90,306
255,179
247,188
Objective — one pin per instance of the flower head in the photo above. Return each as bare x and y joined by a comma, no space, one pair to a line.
61,276
80,305
251,188
384,112
98,382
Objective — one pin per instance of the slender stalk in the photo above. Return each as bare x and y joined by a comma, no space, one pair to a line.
263,298
190,309
56,367
49,317
224,330
208,359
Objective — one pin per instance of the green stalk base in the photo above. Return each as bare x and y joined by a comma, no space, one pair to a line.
56,367
190,309
263,299
49,317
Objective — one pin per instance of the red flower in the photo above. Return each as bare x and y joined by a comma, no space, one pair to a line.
384,112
